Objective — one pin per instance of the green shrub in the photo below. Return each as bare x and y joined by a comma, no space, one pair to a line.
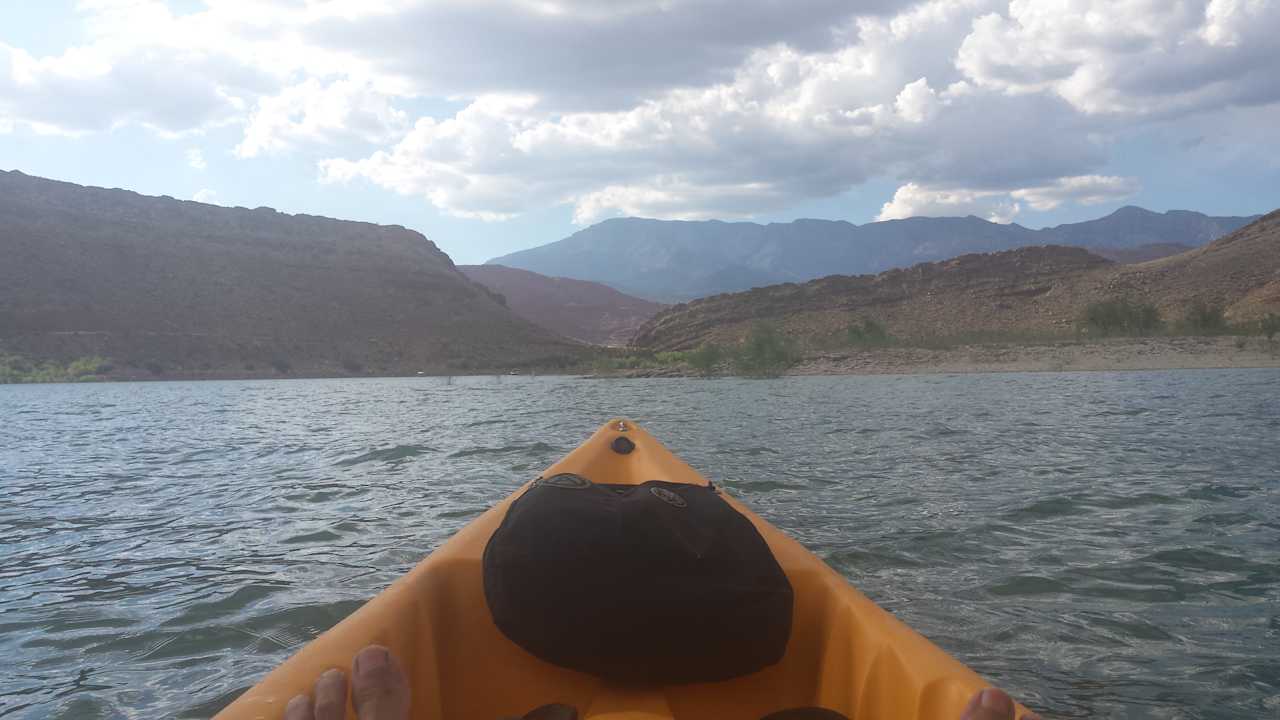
764,353
867,332
86,367
1269,326
1122,317
603,365
671,357
18,369
706,357
1204,319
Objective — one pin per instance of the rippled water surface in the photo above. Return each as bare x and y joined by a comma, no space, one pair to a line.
1103,545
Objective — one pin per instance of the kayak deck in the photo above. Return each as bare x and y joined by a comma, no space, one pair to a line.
844,652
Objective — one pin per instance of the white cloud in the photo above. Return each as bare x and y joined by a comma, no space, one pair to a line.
677,199
581,54
917,102
1129,57
1227,22
195,159
912,200
143,65
788,126
205,195
1083,189
1004,205
315,111
668,108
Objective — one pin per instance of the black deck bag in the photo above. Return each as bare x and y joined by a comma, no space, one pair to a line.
659,583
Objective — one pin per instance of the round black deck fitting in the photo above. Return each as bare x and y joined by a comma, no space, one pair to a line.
622,445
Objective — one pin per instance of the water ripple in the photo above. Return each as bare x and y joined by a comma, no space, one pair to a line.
1101,544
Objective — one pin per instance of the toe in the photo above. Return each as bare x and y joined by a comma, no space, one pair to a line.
331,696
989,704
299,708
379,689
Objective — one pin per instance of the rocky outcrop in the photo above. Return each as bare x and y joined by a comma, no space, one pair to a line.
1239,273
1142,253
189,289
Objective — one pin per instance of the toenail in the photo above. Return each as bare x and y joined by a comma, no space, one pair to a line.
299,708
372,660
993,699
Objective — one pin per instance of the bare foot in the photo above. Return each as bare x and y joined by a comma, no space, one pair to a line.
993,704
379,691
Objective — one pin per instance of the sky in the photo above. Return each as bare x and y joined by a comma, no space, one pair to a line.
496,126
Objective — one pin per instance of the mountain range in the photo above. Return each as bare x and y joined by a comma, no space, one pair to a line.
164,287
172,288
1042,290
671,261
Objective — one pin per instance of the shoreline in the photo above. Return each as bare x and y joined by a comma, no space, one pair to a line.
1118,354
1111,354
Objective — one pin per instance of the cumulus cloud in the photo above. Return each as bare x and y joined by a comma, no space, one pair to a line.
669,108
789,125
1084,189
581,54
1003,206
195,159
319,112
205,195
1129,56
917,102
143,67
913,200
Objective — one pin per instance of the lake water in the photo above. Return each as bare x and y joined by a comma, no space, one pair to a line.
1100,544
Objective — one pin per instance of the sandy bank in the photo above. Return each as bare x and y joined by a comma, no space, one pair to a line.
1162,353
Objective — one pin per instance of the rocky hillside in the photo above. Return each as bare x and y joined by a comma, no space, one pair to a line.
671,260
186,289
1240,273
1142,253
1034,290
577,309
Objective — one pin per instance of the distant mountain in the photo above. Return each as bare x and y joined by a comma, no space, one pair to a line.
173,288
676,260
1041,289
1132,227
577,309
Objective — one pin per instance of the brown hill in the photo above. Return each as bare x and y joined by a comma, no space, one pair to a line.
185,288
1142,253
1239,272
578,309
1034,290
